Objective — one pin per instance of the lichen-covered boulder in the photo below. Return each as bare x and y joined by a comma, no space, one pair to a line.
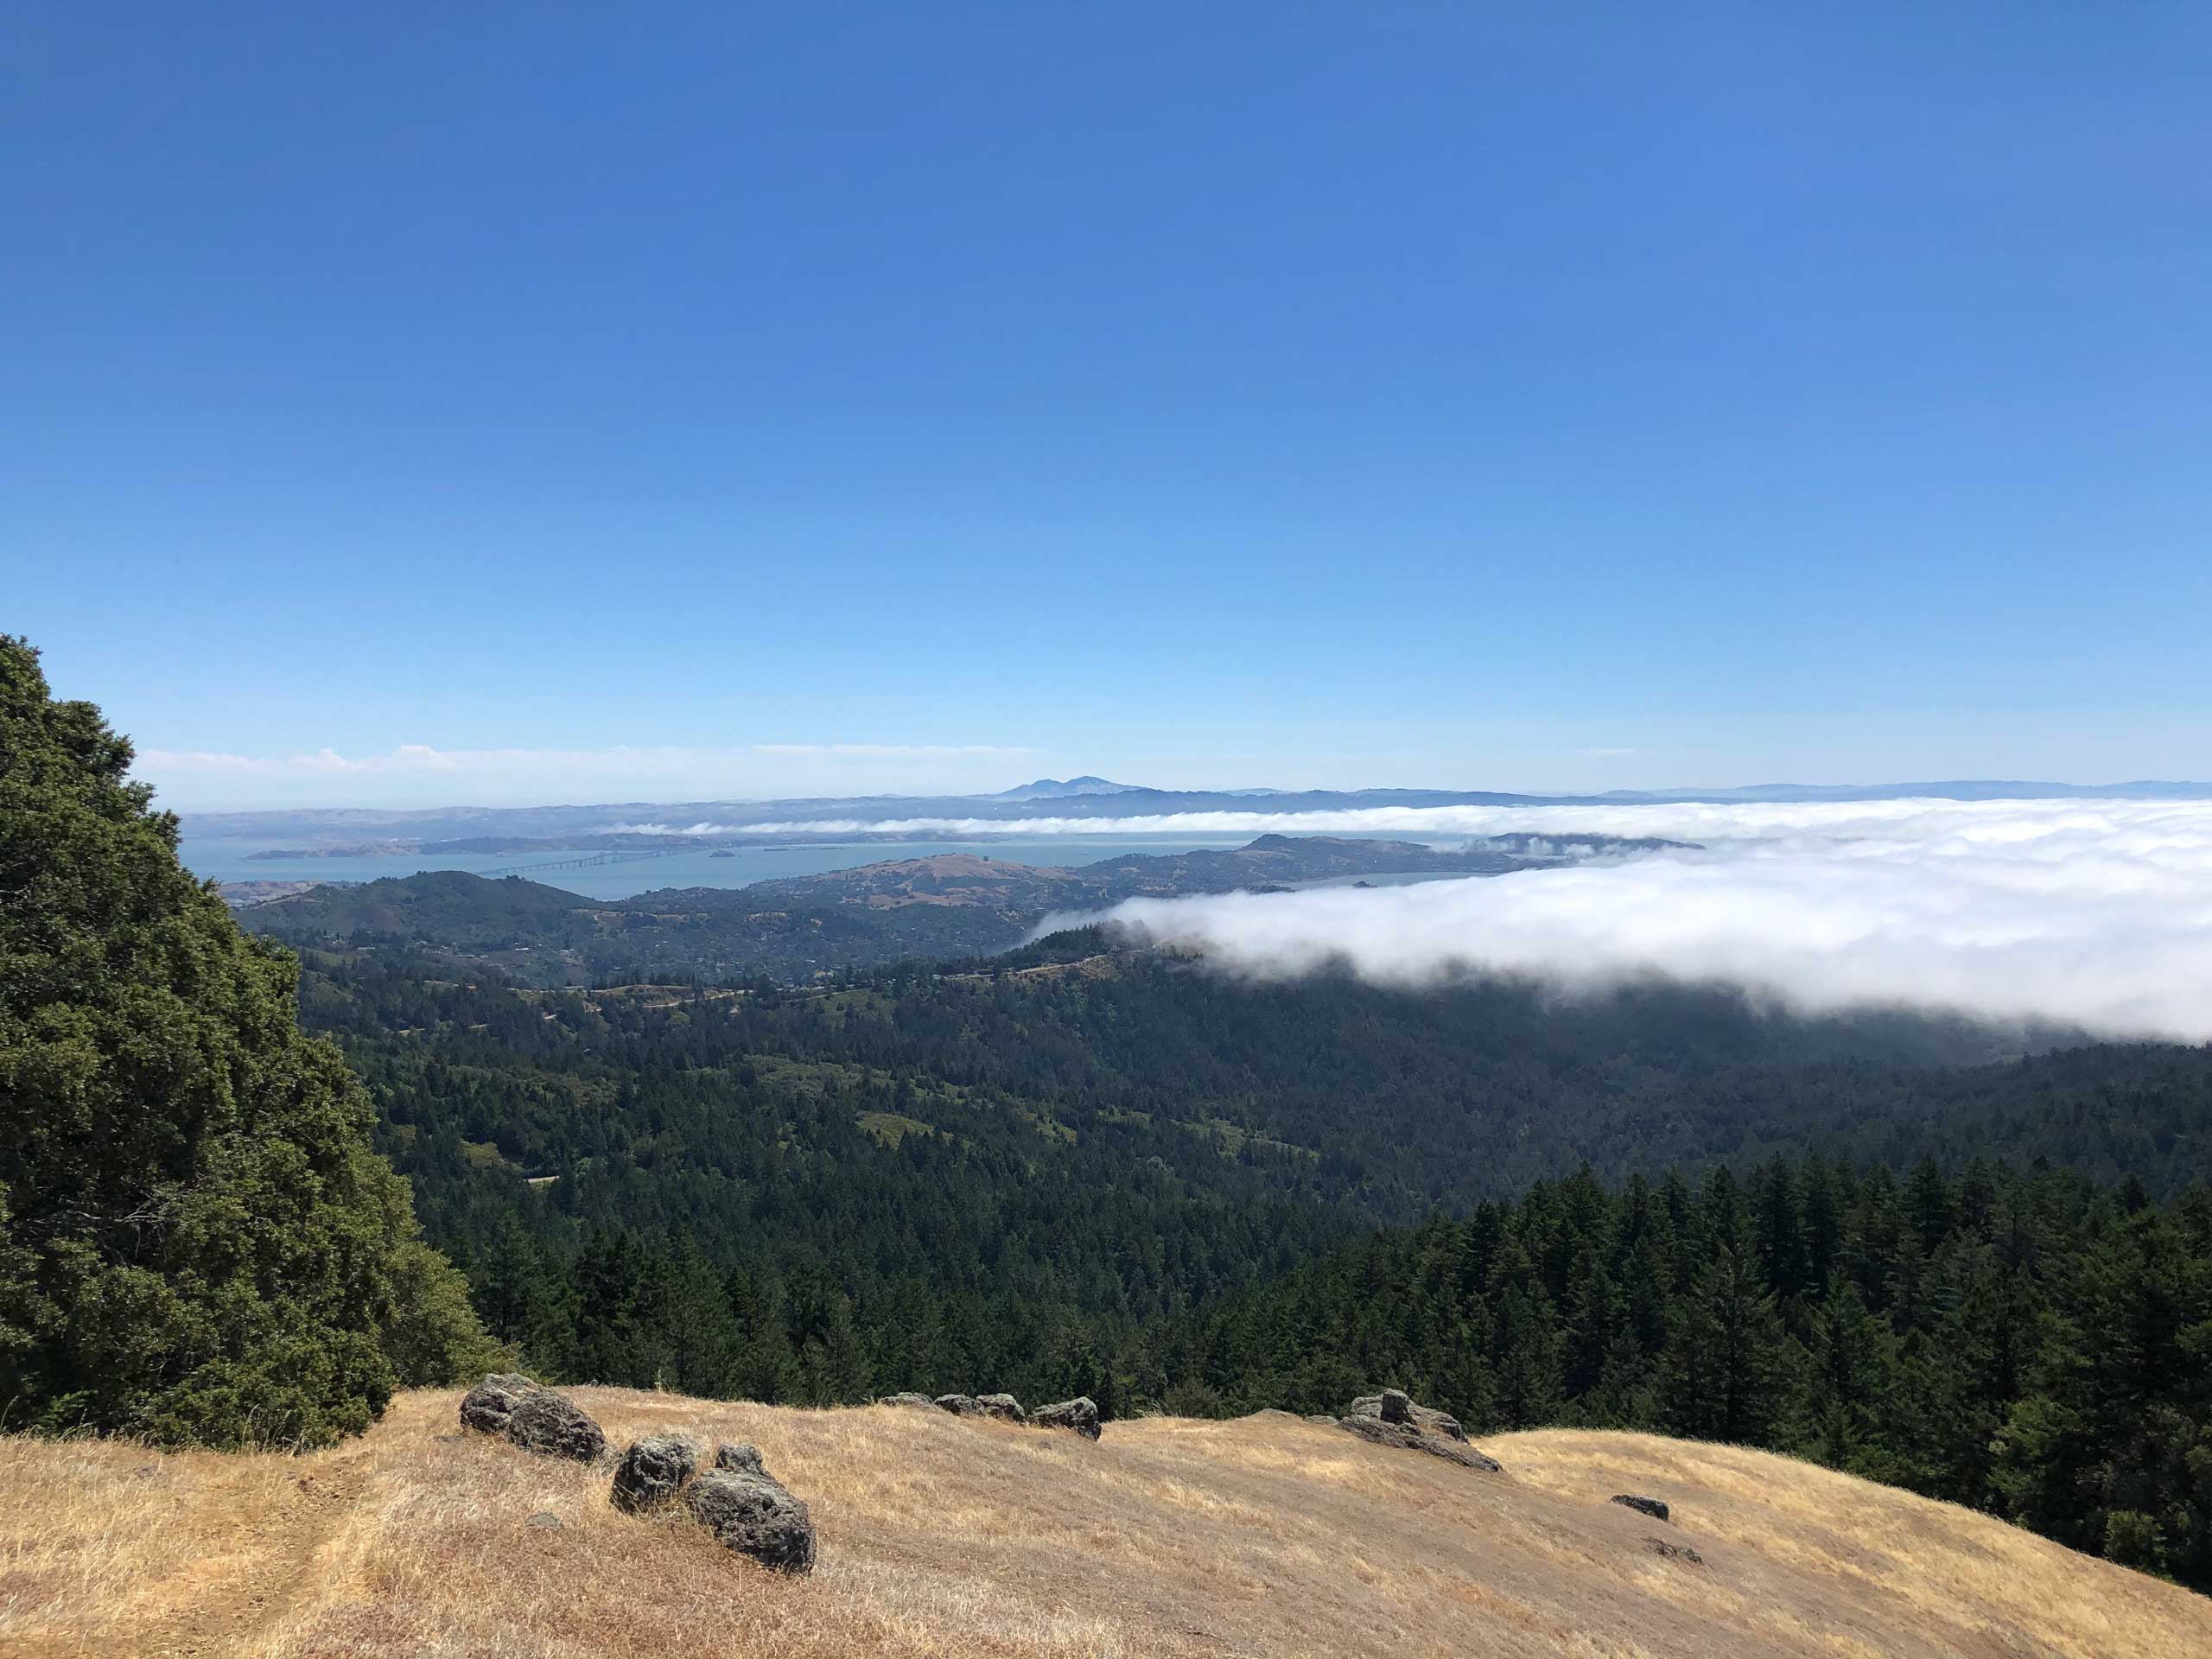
534,1418
553,1426
1430,1420
1392,1406
754,1516
735,1457
653,1471
1408,1437
1004,1407
1396,1406
908,1399
1080,1414
960,1405
1656,1508
488,1406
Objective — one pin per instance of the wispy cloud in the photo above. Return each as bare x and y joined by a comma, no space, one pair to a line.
2092,912
418,774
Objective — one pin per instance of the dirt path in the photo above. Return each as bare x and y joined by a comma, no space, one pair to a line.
280,1540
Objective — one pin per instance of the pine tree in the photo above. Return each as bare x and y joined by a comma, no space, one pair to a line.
1851,1386
701,1338
832,1366
514,1292
1527,1349
1968,1371
1727,1368
609,1343
1591,1319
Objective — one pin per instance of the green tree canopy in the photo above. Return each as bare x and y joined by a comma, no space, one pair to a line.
199,1243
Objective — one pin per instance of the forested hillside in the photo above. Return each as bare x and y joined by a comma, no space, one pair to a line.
2033,1345
1033,1161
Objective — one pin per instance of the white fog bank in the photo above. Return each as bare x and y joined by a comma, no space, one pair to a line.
2097,914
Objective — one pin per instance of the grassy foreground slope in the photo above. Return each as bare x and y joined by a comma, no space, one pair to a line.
1264,1537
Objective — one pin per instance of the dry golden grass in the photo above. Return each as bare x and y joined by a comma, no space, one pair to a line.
946,1537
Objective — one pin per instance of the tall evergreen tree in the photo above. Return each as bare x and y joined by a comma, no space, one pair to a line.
200,1243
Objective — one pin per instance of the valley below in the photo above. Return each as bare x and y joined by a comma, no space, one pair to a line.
793,927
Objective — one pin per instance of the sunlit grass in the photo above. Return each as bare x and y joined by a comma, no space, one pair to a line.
945,1538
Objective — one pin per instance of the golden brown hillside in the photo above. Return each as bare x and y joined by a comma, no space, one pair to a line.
942,1536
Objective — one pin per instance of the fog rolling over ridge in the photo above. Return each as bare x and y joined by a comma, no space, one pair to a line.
2091,912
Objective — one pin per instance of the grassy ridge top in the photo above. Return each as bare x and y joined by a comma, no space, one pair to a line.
1268,1535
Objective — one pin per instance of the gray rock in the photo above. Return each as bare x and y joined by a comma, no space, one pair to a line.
1408,1437
1004,1407
653,1471
1429,1421
488,1407
960,1405
1395,1406
544,1521
534,1418
1080,1414
753,1516
1673,1552
1391,1406
552,1425
1651,1506
907,1400
735,1458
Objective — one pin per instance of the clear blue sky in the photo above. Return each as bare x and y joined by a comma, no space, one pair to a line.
1523,397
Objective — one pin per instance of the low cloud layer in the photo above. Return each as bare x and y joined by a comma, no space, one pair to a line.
2091,912
416,775
1913,817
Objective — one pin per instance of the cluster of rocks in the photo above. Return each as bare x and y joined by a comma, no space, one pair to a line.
534,1418
1080,1414
1391,1418
746,1508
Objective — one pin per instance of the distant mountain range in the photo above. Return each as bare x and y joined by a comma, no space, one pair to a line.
1061,789
554,827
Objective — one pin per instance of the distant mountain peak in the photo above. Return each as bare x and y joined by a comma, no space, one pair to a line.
1056,789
